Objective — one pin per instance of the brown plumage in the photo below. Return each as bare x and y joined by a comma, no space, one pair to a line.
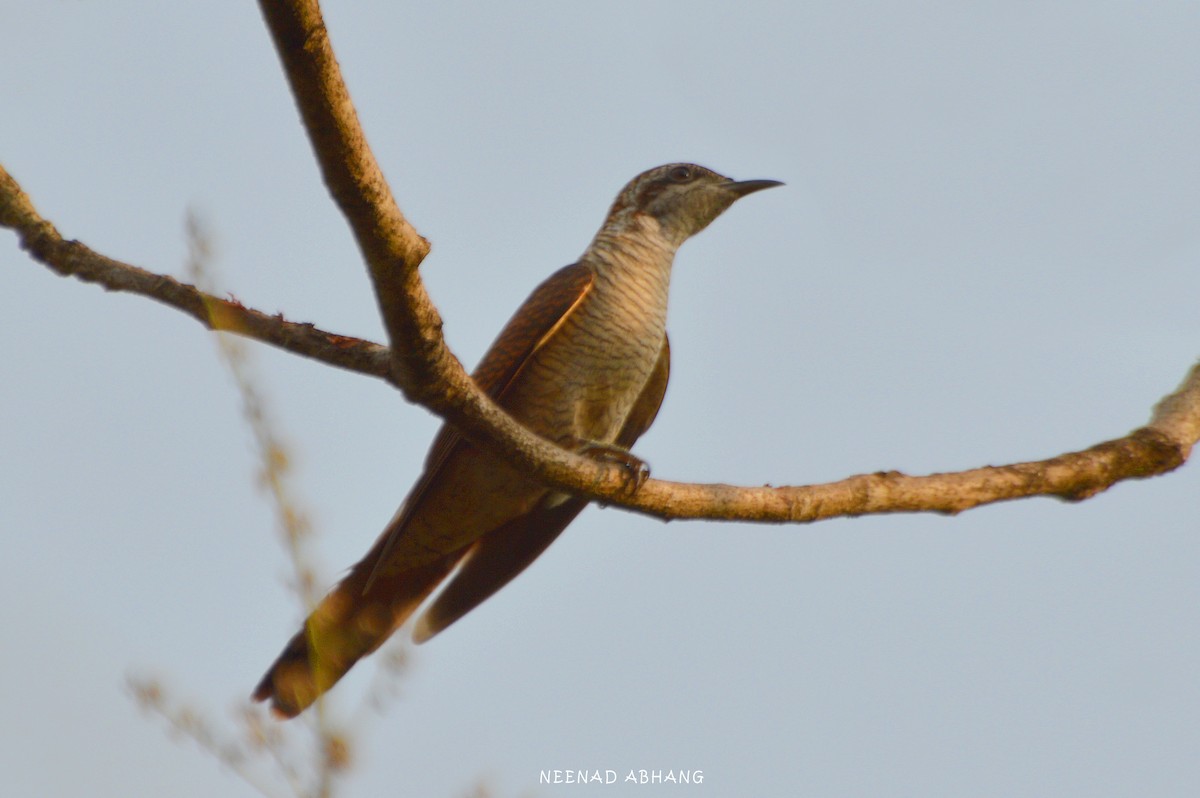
583,362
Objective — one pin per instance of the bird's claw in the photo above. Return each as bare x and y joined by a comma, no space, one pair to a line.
634,470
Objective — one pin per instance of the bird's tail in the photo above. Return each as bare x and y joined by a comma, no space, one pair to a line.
348,624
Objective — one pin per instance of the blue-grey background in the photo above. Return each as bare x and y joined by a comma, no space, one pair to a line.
988,250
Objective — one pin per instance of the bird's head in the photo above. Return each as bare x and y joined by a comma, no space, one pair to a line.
680,198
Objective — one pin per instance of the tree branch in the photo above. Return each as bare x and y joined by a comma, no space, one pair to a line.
391,247
420,364
1157,448
451,393
393,250
73,259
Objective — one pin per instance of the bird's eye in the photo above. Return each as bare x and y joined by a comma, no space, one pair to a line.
680,174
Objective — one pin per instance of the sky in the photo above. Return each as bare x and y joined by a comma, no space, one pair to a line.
987,251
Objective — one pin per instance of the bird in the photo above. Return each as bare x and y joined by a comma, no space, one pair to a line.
584,363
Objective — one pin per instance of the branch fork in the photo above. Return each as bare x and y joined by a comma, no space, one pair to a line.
419,363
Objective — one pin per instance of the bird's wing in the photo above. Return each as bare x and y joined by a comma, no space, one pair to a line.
497,557
538,318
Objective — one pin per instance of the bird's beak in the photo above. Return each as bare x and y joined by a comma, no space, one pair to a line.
741,188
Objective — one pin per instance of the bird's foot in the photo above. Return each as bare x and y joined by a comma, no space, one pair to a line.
634,469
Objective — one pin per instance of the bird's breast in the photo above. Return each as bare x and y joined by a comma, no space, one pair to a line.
583,383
